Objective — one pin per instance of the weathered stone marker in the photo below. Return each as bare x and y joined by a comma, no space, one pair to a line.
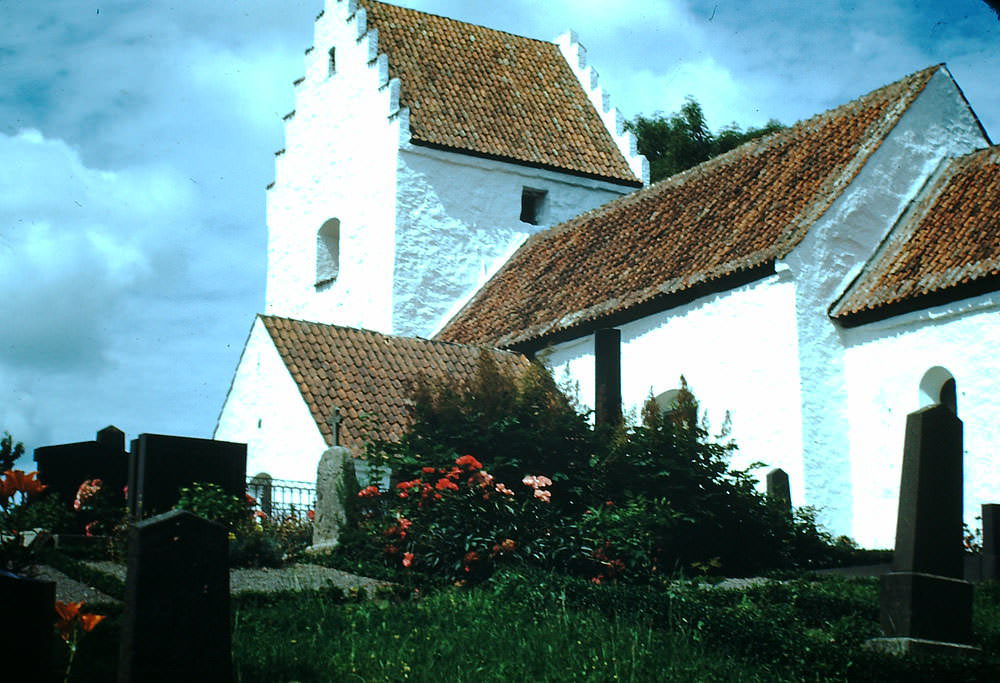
29,608
925,605
334,467
176,621
778,488
991,542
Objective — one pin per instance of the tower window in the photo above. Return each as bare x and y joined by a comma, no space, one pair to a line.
333,60
328,252
532,204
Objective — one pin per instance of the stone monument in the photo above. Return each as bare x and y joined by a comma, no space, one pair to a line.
336,468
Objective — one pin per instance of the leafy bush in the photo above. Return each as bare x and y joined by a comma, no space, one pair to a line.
212,502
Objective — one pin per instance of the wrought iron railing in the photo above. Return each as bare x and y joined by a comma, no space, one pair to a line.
280,498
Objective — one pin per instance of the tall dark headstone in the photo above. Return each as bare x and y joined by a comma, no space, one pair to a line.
160,465
778,488
607,376
925,604
64,467
176,618
29,610
991,542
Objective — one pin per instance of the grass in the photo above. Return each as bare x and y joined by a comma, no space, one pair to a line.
549,627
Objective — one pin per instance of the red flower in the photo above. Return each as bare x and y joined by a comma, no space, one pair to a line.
391,550
446,485
428,470
311,515
407,559
368,492
469,462
508,545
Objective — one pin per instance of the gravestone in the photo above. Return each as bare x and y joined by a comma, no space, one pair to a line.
64,467
778,488
29,609
262,488
160,465
332,476
926,607
991,543
176,619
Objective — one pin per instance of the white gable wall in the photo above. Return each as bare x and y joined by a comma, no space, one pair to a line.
738,352
265,410
458,215
340,162
884,364
937,125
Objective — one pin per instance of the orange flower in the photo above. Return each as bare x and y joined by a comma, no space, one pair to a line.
68,612
16,481
508,545
89,621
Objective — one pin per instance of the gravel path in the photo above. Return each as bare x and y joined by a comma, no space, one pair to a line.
70,590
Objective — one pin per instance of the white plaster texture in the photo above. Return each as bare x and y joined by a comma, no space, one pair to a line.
884,364
458,215
738,352
937,125
265,410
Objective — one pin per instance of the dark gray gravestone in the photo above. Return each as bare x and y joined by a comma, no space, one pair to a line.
29,611
63,468
176,619
607,377
925,604
778,488
160,465
991,543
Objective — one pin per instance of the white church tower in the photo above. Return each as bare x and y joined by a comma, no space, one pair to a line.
421,153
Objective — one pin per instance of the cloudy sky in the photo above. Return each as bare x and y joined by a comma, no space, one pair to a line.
136,140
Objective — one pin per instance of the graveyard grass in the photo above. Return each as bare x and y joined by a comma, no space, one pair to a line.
537,625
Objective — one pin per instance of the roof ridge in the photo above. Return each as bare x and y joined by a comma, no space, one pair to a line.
452,19
385,335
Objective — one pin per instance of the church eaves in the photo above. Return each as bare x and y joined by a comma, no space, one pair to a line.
945,248
368,376
493,94
727,218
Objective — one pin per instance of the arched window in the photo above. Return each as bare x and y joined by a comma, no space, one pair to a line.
938,386
328,252
667,401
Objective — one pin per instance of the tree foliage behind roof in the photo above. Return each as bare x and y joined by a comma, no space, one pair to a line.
678,141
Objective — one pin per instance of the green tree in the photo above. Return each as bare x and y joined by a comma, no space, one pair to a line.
678,141
9,452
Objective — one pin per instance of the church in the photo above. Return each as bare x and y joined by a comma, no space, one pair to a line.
447,188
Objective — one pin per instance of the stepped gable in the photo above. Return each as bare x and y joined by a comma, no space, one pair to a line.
734,213
367,375
946,247
493,94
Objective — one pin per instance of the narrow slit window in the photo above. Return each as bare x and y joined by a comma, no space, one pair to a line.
328,252
532,205
333,60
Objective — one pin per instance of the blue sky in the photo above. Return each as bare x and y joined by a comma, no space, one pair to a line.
137,139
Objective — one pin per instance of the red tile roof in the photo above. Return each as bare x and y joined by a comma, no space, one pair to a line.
728,215
368,376
493,93
949,239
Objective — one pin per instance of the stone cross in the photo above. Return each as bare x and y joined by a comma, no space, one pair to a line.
778,488
925,604
334,423
335,468
175,625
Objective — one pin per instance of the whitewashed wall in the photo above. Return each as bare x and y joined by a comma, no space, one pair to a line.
458,220
885,362
265,410
339,162
736,349
937,125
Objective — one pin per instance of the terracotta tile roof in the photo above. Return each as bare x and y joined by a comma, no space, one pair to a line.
949,239
730,214
493,93
368,376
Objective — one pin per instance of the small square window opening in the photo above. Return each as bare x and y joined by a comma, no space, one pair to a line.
532,204
333,60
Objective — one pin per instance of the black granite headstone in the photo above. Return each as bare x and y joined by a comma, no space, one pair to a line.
176,619
64,467
160,465
607,377
925,604
29,608
778,488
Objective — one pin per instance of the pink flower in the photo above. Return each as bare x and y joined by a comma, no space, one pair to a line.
481,478
407,559
543,495
502,488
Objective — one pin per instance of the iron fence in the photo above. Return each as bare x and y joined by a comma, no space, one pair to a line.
280,498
